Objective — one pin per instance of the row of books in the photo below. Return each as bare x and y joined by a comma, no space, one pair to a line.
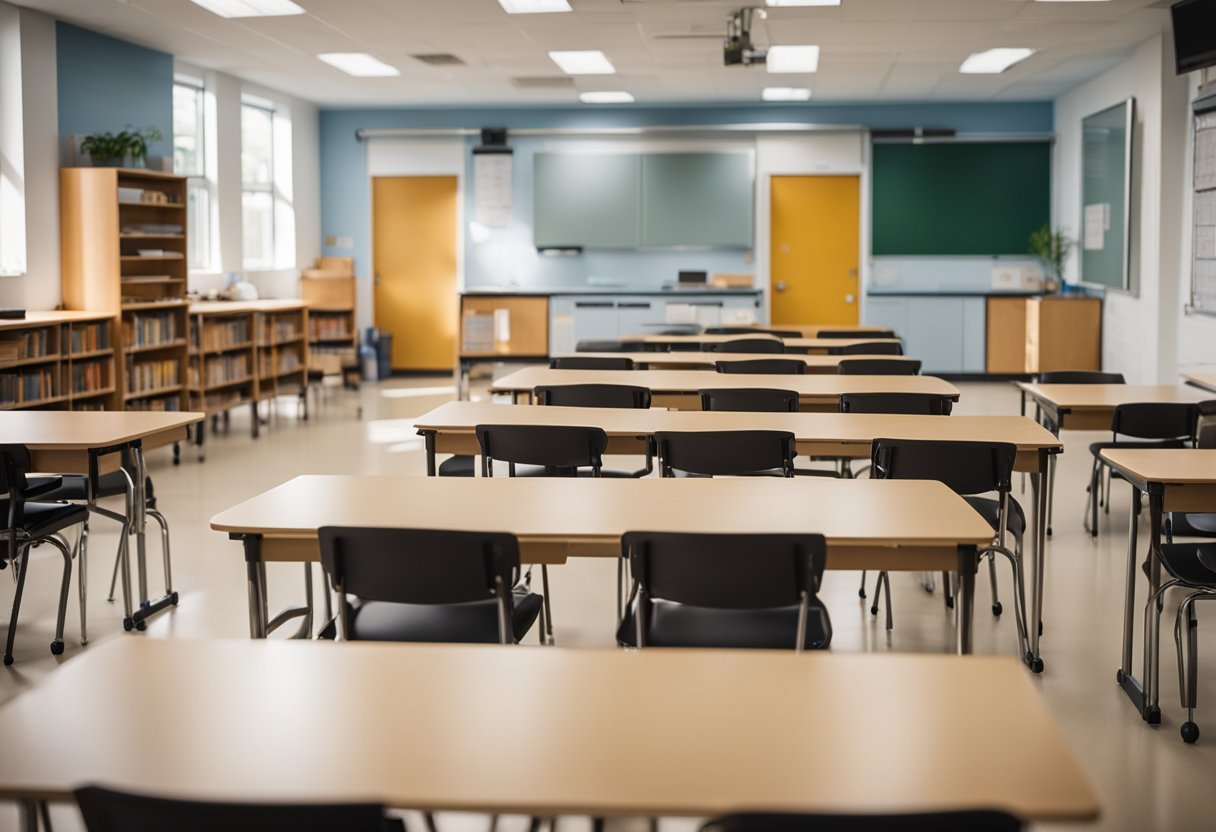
145,376
222,369
90,337
150,329
288,361
29,343
29,385
90,376
222,400
169,403
329,328
220,334
278,328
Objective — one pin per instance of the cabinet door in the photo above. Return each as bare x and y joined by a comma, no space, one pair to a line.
888,313
587,200
638,315
595,319
697,199
975,327
935,334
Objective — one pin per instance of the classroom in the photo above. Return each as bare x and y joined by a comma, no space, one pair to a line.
607,415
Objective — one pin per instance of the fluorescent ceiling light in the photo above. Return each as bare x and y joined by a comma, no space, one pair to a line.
606,97
994,61
586,62
802,2
250,8
359,64
792,59
534,6
786,94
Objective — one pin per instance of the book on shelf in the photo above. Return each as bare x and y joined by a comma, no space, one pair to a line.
329,328
220,334
166,404
28,343
90,337
222,369
278,328
148,329
90,376
146,376
28,385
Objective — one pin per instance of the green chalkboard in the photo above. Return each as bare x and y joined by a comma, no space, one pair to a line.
959,197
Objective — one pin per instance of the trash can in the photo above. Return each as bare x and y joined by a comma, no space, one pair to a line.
367,362
384,355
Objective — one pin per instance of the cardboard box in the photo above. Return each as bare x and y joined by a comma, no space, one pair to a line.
732,281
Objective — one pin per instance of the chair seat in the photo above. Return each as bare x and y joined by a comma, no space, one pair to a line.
1097,447
682,625
541,471
76,487
458,466
475,623
41,519
990,510
1192,563
1193,525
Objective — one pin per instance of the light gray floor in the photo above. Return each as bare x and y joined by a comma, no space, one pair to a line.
1146,777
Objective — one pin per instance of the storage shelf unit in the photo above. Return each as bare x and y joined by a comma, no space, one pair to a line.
60,359
333,338
123,252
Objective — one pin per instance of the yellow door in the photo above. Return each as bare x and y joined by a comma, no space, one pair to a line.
815,246
414,263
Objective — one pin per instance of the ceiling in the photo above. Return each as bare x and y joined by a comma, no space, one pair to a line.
872,50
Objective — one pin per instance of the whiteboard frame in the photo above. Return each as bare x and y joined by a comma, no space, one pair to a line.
1129,285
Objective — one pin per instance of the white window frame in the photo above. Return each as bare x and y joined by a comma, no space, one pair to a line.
205,180
13,261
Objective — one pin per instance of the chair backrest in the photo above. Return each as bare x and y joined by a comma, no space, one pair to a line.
752,330
763,366
588,362
855,333
878,367
561,448
593,395
1205,431
1155,420
869,348
15,463
604,346
105,810
750,400
912,404
965,467
1079,377
977,820
752,345
725,452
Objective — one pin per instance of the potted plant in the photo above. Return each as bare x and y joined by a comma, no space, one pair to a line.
1051,247
111,150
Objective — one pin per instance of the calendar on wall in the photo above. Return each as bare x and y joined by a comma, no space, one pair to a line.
1203,239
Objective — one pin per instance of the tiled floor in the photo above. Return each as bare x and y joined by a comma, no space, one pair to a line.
1146,777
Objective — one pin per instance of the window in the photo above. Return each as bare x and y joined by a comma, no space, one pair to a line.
190,160
1203,239
12,146
258,185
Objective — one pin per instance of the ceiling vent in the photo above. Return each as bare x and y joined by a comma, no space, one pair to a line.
543,82
439,59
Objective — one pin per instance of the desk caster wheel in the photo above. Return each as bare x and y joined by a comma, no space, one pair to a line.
56,648
1153,715
861,593
1190,732
173,598
1036,665
950,602
141,625
1119,675
997,609
8,660
128,624
1049,531
874,610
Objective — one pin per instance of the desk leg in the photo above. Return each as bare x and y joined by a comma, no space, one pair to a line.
1124,676
140,520
1023,413
256,587
1152,624
1039,490
429,438
968,565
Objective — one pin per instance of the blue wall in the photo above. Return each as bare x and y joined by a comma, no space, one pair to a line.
507,258
108,85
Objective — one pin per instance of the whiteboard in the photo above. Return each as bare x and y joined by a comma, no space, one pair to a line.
1106,178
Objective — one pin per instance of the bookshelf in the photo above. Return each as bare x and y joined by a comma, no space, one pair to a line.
333,337
57,360
123,252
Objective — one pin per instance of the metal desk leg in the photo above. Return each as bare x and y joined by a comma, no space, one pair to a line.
429,438
147,608
1124,675
1039,491
1152,664
256,589
968,564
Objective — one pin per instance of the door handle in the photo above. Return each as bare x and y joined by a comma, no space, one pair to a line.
850,298
779,286
376,279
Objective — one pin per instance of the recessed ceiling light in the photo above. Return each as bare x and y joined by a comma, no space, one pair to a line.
359,64
606,97
802,2
250,8
792,59
994,61
585,62
786,94
534,6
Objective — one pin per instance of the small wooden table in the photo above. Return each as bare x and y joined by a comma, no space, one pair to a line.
1204,381
679,388
92,443
707,360
897,525
657,732
1174,479
450,429
821,345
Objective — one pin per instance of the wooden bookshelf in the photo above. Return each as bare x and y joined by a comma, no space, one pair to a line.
333,336
123,252
58,360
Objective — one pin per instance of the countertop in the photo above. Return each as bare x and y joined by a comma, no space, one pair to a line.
612,290
976,294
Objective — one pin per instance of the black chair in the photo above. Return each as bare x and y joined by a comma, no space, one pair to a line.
25,525
913,404
428,585
586,362
768,346
962,821
878,367
763,366
725,591
604,346
1191,524
105,810
1149,425
752,330
599,395
725,453
855,333
749,400
869,348
969,469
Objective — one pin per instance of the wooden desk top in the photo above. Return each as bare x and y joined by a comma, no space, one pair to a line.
46,318
86,429
1170,466
860,428
709,359
799,343
847,512
1108,396
690,381
1205,380
604,732
813,330
237,307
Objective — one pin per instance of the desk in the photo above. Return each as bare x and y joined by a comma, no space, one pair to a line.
815,344
869,524
658,732
1204,381
1179,479
91,443
449,429
679,388
813,330
706,360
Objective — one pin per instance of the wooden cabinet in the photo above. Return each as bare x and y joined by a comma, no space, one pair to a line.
515,326
333,338
57,360
1039,335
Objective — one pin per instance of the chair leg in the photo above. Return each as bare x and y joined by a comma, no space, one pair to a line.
861,593
948,587
429,817
1188,670
886,582
928,582
164,547
544,582
1106,497
65,588
12,624
114,575
877,595
997,609
82,580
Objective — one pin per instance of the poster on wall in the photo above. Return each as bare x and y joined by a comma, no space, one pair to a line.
492,188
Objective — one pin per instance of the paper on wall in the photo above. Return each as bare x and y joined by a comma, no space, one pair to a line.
1097,223
492,188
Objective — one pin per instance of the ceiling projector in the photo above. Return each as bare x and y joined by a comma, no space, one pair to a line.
738,48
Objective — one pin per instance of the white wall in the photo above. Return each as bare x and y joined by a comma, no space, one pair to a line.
1138,327
1196,333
